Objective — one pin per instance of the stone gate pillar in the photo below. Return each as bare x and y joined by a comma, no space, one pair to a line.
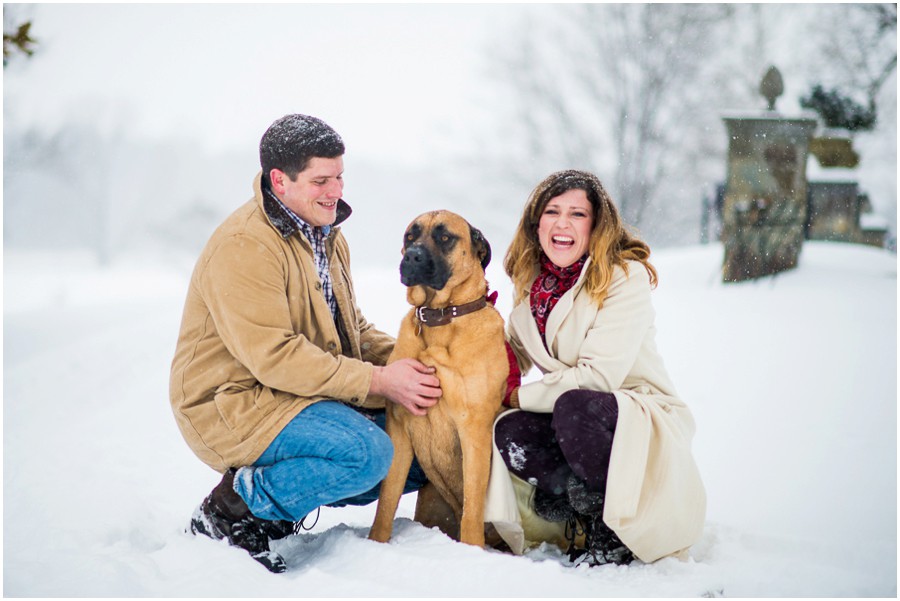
764,208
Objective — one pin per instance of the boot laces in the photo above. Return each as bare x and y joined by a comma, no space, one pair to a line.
574,529
602,546
301,525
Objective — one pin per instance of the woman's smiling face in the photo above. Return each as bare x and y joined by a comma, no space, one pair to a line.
564,230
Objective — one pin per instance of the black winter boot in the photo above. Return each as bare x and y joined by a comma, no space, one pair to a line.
556,508
224,515
602,546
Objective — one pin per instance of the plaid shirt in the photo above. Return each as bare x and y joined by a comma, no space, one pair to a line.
316,237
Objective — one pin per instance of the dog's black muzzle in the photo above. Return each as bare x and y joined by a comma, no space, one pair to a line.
419,267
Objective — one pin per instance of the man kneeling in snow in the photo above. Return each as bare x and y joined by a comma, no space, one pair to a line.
278,380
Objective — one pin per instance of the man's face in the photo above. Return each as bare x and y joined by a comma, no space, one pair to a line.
313,195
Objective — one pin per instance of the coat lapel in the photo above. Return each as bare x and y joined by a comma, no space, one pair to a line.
528,333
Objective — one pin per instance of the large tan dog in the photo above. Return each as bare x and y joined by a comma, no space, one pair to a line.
452,328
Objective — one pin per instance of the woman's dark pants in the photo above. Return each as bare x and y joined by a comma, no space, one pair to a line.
545,449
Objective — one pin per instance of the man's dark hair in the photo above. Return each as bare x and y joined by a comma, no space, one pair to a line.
293,140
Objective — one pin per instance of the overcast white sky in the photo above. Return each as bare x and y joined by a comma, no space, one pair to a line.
393,79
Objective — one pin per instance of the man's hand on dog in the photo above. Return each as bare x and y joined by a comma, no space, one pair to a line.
409,383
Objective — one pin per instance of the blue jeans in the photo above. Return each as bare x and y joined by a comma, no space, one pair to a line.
329,454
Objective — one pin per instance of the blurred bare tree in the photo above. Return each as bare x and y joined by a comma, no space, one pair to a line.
593,85
636,92
860,42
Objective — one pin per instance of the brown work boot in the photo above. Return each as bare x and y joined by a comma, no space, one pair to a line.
223,515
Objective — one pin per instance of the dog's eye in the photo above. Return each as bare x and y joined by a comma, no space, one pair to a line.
445,238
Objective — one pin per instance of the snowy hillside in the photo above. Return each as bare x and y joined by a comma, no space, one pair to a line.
792,380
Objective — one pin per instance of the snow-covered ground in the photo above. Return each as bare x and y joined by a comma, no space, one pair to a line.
792,379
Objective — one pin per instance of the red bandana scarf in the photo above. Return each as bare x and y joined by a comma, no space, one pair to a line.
551,283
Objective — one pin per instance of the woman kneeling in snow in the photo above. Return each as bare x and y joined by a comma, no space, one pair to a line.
601,444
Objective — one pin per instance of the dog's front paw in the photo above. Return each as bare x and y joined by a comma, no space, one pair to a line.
380,534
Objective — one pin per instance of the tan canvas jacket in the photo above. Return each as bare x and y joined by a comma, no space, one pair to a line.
258,342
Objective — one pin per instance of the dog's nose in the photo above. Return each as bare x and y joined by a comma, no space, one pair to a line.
414,255
416,266
421,267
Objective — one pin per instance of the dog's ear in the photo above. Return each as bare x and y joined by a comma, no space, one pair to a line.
480,246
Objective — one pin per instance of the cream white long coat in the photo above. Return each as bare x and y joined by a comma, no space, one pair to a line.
655,500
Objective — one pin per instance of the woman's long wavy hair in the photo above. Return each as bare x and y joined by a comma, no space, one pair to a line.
611,243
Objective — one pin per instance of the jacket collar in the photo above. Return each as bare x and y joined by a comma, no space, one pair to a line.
278,215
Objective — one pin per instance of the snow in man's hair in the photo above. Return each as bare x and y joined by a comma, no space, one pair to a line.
291,141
